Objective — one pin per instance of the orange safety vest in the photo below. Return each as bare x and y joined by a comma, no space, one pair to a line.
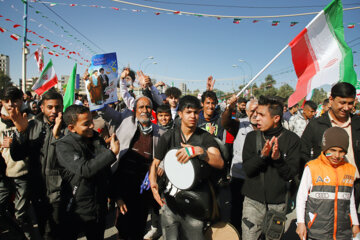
327,212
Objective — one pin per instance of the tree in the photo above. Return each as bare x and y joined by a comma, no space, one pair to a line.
285,91
219,92
269,86
319,95
5,81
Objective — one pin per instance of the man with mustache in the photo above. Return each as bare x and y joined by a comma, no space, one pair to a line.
34,142
342,100
138,138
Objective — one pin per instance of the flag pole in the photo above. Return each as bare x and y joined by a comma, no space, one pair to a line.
25,50
262,70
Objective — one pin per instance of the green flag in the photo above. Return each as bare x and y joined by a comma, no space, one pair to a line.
70,90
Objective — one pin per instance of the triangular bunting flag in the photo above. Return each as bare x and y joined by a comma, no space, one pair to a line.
293,24
275,23
15,36
236,20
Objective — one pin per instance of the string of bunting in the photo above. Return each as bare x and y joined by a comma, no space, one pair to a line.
67,32
51,51
55,45
41,25
158,11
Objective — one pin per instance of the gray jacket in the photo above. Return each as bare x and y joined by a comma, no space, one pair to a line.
237,170
126,126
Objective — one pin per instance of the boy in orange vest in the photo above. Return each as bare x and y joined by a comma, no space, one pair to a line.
325,206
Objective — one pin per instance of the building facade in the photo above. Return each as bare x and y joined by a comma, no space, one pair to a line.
5,64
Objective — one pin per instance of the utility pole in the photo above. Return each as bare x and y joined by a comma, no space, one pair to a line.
25,50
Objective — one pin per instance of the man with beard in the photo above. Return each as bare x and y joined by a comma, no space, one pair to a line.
241,108
138,138
342,99
35,143
209,116
239,129
105,82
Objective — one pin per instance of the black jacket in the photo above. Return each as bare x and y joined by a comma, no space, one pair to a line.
276,172
313,133
36,144
86,166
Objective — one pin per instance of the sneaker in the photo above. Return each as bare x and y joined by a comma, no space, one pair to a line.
153,233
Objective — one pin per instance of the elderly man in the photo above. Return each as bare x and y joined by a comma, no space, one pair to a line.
138,138
239,129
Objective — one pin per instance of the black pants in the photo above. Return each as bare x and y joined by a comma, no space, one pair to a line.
74,225
48,219
132,225
237,200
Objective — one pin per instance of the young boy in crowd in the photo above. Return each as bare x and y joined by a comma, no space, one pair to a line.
172,97
164,117
86,168
325,205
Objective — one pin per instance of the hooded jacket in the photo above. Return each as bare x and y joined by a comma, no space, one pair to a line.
86,166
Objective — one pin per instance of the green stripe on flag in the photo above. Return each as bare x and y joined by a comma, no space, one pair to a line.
49,65
70,89
334,18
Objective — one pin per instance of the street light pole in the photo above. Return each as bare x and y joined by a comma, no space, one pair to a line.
150,57
238,66
149,65
251,72
25,50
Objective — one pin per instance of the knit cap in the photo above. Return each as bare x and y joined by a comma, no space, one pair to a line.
335,137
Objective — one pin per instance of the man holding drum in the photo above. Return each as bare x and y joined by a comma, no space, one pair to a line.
191,142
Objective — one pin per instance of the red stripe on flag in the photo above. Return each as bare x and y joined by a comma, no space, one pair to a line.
2,30
305,65
47,86
16,25
115,8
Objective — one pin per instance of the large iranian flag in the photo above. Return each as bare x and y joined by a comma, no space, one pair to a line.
320,54
47,79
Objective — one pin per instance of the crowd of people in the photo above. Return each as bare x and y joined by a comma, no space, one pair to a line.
64,171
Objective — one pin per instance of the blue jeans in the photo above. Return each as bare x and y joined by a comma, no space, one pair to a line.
176,227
